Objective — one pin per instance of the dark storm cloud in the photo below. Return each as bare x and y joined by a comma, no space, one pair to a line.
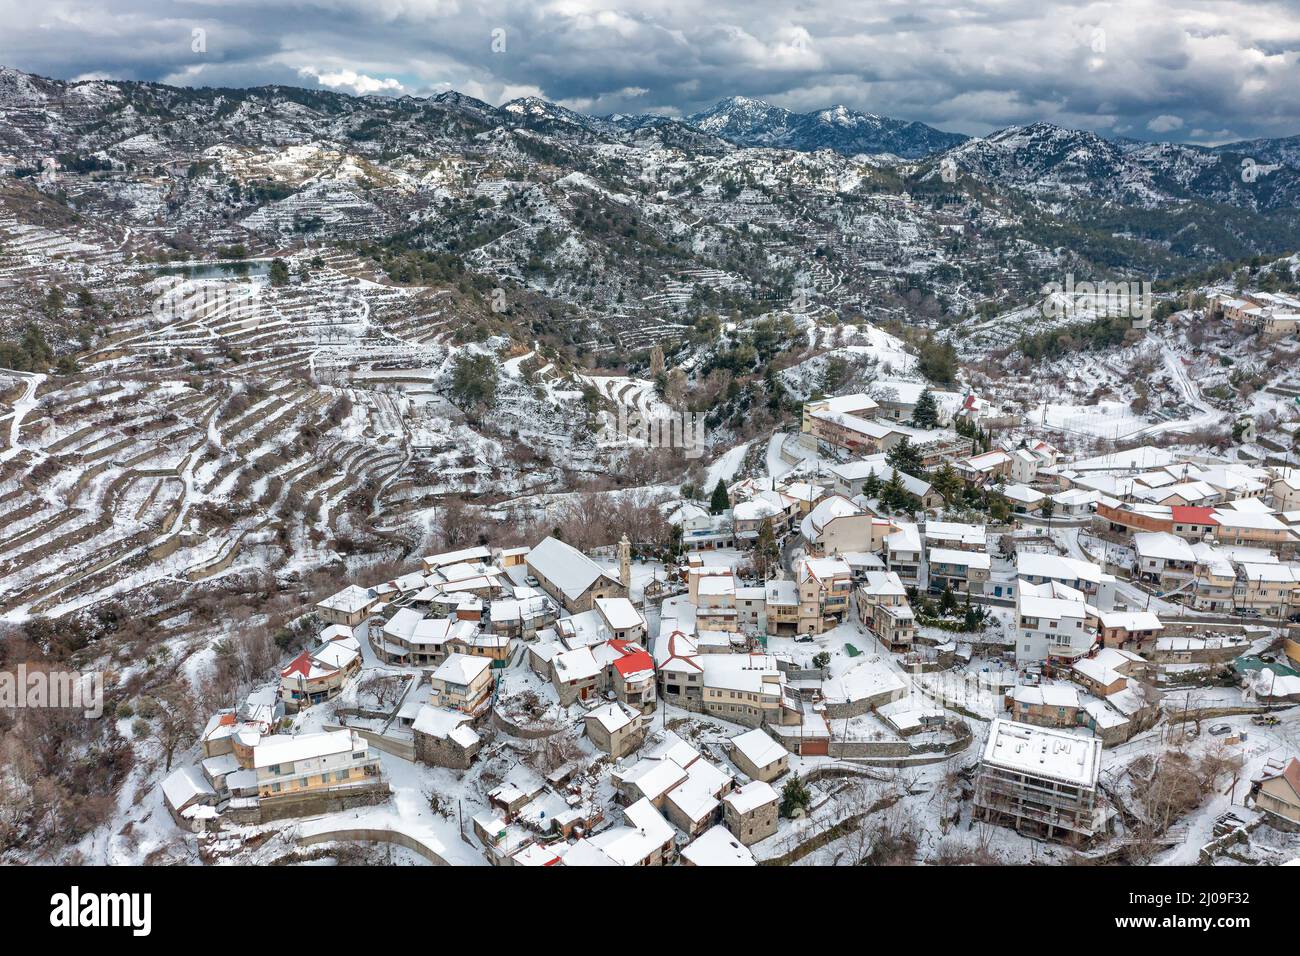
1206,70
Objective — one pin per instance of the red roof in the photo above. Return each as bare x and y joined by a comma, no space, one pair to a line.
634,659
300,665
1186,514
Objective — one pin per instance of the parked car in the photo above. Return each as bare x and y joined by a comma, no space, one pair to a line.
1265,720
1220,730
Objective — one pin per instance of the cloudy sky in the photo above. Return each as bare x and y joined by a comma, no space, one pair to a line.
1182,70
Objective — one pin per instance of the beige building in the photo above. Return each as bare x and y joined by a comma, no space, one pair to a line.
462,683
1277,793
750,812
349,607
615,728
569,576
308,763
758,756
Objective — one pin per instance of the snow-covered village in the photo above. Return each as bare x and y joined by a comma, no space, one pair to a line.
443,462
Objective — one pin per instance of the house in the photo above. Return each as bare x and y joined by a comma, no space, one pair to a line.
644,839
1040,780
1261,530
903,552
1121,628
1074,503
570,577
985,468
302,764
743,688
841,422
884,609
319,675
838,524
1097,586
717,847
679,675
444,738
1273,315
1046,705
961,571
850,477
1108,670
1052,623
782,607
693,805
1163,558
956,535
1023,499
750,812
1192,523
1284,489
622,619
758,756
1277,793
615,728
462,683
349,607
190,799
715,602
748,517
1024,466
824,586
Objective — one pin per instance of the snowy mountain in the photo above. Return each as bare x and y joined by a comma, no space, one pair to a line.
1046,160
750,122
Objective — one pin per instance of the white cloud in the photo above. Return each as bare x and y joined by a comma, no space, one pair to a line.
353,81
959,64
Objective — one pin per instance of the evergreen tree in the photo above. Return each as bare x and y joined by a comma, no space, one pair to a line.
947,603
904,457
947,483
279,273
766,549
720,502
871,486
1049,509
926,413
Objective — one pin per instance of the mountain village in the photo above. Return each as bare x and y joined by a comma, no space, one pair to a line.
433,482
1049,679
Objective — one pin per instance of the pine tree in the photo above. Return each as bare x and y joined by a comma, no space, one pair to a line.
947,603
926,413
720,502
871,487
904,457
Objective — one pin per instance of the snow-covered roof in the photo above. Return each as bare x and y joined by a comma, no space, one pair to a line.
1163,546
968,559
461,668
350,600
619,613
751,796
287,748
1043,752
613,717
566,567
717,846
758,747
184,785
